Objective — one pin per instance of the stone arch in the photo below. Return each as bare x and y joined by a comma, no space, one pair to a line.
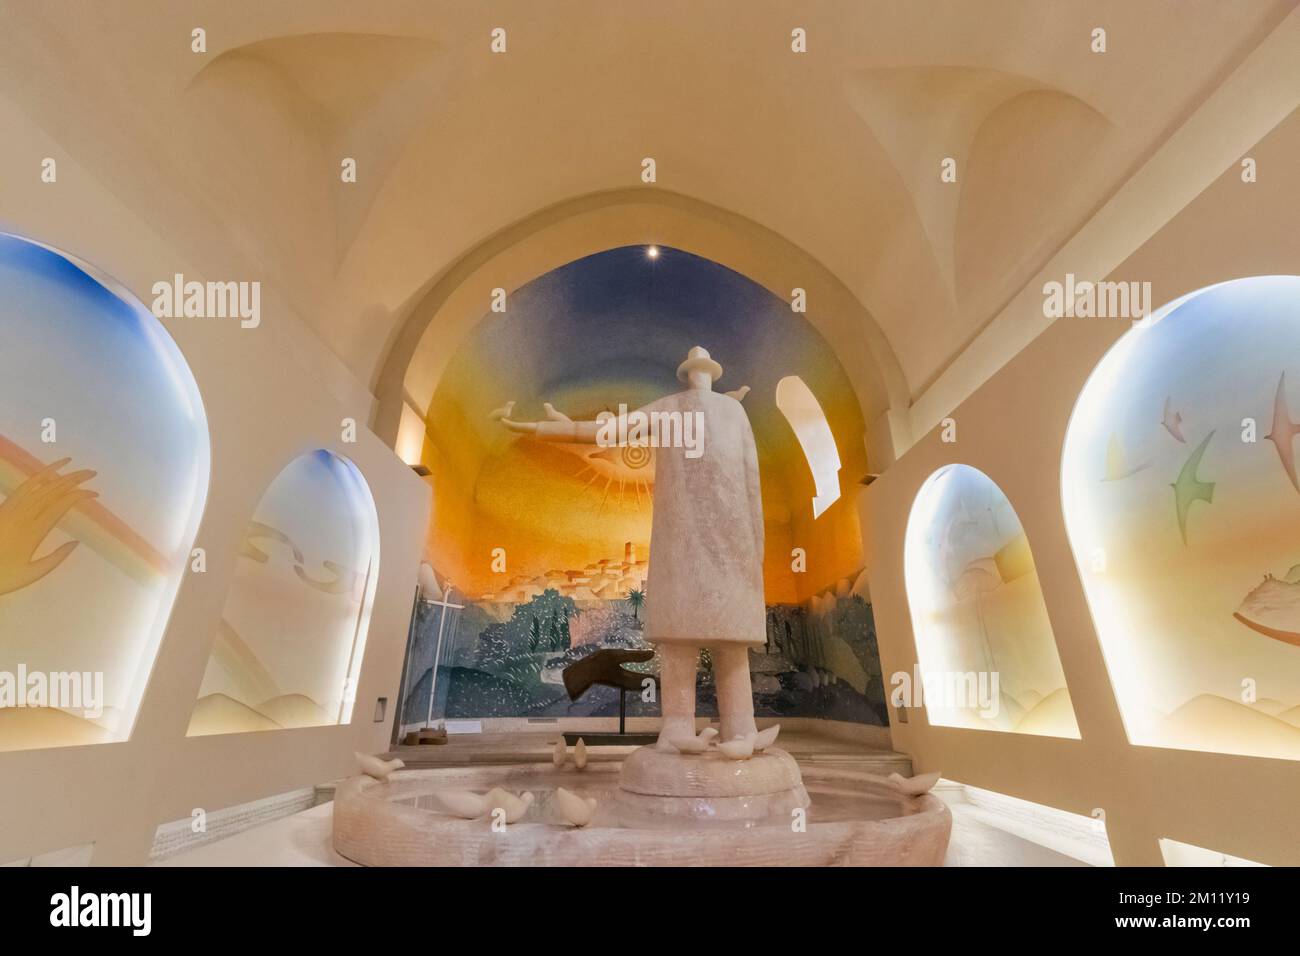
442,313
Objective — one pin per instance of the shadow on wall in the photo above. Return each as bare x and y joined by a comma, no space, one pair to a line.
506,659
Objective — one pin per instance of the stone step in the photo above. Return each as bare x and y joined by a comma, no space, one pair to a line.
494,749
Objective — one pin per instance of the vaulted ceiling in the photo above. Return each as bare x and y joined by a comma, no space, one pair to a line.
236,151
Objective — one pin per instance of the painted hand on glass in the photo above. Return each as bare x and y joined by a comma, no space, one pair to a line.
28,516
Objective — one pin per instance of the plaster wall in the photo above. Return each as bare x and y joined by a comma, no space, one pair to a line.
1013,429
266,403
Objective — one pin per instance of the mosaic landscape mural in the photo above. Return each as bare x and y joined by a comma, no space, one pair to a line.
1183,508
506,660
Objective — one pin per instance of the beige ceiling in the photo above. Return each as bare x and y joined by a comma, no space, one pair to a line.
235,153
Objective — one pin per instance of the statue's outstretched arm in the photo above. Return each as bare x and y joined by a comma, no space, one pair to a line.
561,431
557,427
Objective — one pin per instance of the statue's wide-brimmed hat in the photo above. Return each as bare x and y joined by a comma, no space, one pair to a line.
698,360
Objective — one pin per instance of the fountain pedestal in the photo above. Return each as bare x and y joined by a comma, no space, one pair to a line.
854,819
709,786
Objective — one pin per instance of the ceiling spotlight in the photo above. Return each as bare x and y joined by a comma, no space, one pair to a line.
652,252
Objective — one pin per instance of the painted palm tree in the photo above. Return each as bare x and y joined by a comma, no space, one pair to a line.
636,598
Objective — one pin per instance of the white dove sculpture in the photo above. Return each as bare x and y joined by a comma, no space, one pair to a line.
739,749
560,754
374,767
765,738
469,805
514,807
465,804
580,754
695,745
914,786
575,809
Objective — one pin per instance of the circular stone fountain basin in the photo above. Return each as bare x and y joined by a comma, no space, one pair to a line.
854,819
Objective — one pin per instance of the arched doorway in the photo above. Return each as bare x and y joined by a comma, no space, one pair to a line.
445,311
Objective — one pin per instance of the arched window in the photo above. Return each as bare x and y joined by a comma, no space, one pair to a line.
804,413
1182,505
983,639
292,635
104,461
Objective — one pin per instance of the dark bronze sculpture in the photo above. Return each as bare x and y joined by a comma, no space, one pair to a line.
605,667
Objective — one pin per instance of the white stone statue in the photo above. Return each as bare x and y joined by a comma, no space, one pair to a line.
705,581
377,767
